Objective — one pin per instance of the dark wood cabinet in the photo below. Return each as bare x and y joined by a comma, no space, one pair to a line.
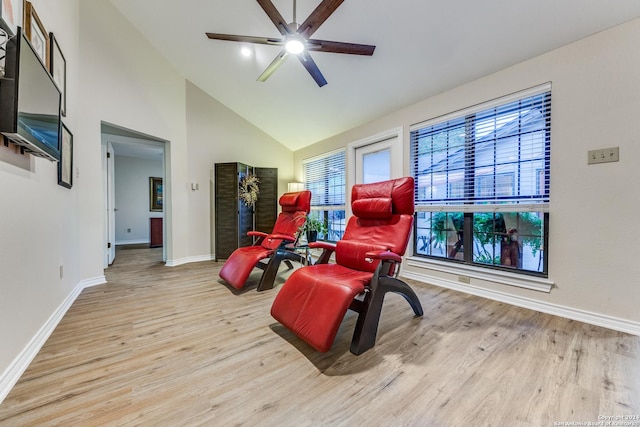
155,232
267,204
234,219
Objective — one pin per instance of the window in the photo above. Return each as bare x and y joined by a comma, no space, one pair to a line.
325,177
482,183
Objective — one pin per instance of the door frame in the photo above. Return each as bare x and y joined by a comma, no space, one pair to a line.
116,134
397,159
109,193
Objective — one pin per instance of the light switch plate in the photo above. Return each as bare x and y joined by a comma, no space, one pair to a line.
603,155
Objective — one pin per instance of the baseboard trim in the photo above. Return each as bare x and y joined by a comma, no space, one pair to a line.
188,260
20,364
609,322
132,242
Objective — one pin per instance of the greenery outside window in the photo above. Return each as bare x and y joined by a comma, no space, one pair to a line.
482,184
325,177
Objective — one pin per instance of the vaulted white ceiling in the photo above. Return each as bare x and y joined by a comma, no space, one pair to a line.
424,47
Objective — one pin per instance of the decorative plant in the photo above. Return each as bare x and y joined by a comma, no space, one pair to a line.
249,190
312,226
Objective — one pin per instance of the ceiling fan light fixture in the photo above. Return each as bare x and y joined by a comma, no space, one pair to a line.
294,45
296,39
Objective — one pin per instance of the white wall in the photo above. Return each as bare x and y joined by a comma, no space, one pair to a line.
594,209
113,76
131,86
217,135
38,217
132,198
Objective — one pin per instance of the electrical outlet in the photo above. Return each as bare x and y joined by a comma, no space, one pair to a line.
128,230
603,155
464,279
61,271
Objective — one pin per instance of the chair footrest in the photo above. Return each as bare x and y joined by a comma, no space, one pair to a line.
312,303
239,265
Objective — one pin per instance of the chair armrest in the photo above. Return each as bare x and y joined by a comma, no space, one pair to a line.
323,245
256,234
327,250
384,256
284,237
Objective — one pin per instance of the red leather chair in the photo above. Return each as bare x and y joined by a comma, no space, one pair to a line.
314,299
236,270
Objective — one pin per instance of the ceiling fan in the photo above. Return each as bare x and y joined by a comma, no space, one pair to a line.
296,39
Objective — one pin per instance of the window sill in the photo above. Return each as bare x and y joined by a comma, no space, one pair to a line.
503,278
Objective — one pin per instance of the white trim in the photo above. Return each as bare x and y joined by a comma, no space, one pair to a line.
511,207
87,283
496,276
535,90
132,242
598,319
188,260
20,364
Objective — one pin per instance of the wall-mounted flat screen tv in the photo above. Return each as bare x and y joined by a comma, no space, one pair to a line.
29,101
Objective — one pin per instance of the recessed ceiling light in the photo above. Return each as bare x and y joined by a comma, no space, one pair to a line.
245,51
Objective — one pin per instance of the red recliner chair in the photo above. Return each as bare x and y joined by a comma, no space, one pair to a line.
314,299
236,270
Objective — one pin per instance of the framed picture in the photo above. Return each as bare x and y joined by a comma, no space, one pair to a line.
36,34
11,14
155,194
58,68
65,165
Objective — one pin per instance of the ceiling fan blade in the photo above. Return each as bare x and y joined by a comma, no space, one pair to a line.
317,17
340,47
275,17
273,66
312,68
245,39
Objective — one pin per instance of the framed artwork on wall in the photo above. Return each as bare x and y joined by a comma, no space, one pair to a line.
58,69
65,165
11,12
36,34
155,194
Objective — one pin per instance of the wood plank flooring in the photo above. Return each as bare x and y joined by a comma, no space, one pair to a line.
168,346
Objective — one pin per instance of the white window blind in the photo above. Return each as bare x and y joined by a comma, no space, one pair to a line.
486,158
325,177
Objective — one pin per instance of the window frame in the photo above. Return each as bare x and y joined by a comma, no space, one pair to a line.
470,205
329,203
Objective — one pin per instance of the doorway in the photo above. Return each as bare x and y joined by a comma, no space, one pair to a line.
132,163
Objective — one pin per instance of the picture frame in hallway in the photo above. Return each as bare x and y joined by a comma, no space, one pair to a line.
58,70
36,34
11,12
65,165
155,194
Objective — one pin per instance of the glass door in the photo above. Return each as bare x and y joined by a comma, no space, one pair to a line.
378,161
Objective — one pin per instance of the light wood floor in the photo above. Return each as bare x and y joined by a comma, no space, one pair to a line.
173,346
